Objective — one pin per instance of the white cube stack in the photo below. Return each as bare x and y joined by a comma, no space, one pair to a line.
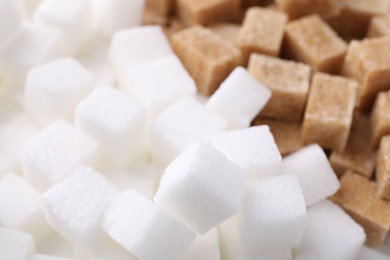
16,245
55,151
254,149
201,188
145,230
10,21
74,206
239,98
53,90
122,136
315,175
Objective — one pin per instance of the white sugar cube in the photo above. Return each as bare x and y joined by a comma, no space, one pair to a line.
110,250
330,234
201,188
74,206
254,149
53,90
20,207
183,123
316,177
205,247
55,151
73,18
111,16
10,21
32,46
273,214
133,47
170,81
16,245
239,98
117,122
145,230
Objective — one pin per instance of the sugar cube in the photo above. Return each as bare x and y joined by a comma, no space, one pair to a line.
16,245
383,169
380,121
56,245
11,21
205,247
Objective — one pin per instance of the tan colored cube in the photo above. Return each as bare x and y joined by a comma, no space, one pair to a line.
286,134
357,155
357,197
383,169
312,41
261,32
160,7
368,62
329,111
380,118
289,82
205,12
227,31
298,8
208,58
379,26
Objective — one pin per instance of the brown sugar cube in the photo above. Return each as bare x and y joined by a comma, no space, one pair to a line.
380,118
329,111
205,12
368,62
227,31
379,26
160,7
356,196
312,41
383,169
298,8
261,32
208,58
286,134
289,82
357,155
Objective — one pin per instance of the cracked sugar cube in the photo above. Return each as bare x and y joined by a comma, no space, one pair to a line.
272,214
201,187
117,122
11,21
170,82
16,245
183,123
142,227
253,149
239,98
47,98
74,206
330,234
205,247
21,208
132,47
55,151
316,177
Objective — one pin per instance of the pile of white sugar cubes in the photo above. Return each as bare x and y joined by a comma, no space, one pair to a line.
108,152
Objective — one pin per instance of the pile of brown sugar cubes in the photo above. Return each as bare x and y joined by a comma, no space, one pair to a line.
327,63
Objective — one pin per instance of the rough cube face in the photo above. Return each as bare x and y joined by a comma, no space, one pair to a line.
315,175
272,214
47,98
133,47
239,99
20,207
170,82
312,41
261,32
329,111
357,197
142,228
207,57
180,125
55,151
379,26
289,82
205,247
357,155
253,149
201,188
383,169
74,206
330,234
298,8
11,21
16,244
380,118
123,135
207,12
368,62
